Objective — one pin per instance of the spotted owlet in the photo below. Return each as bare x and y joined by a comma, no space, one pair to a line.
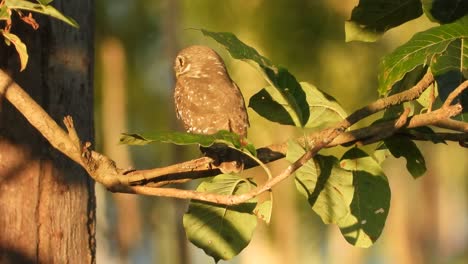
206,98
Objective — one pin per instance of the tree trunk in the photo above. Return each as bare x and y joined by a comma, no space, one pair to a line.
47,203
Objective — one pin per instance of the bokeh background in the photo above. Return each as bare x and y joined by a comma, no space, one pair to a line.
136,42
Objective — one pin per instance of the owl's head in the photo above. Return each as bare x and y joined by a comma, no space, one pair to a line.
191,60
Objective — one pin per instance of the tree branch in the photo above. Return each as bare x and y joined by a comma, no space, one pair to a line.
105,171
38,117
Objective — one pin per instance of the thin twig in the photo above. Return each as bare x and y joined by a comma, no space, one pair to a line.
455,93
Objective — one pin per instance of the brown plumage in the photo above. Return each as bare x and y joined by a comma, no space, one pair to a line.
207,100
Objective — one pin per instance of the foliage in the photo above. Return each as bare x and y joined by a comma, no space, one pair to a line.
352,192
441,48
222,231
24,10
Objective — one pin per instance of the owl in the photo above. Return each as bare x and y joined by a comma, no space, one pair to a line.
207,100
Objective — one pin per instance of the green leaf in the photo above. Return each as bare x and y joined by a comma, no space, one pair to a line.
371,18
40,8
428,97
449,68
371,199
445,11
20,47
238,49
291,91
264,210
279,77
327,187
221,231
356,32
404,147
419,50
324,109
44,2
4,13
380,153
265,105
410,79
182,138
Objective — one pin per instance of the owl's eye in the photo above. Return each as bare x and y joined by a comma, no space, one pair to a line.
180,61
181,65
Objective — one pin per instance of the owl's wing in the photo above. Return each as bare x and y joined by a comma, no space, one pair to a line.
243,102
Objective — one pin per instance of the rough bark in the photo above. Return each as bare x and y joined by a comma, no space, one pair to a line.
47,203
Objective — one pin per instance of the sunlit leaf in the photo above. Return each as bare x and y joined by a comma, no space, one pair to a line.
44,2
380,153
264,210
428,97
324,109
404,147
19,46
40,8
279,77
4,13
238,49
371,18
327,187
181,138
450,69
221,231
371,199
356,32
420,50
410,79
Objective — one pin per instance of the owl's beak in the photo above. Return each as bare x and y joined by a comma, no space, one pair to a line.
182,71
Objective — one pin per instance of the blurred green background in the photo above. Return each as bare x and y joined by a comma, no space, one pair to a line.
136,43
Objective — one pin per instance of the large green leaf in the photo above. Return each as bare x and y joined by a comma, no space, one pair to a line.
19,46
419,50
327,187
221,231
371,199
324,109
181,138
280,78
445,11
371,18
40,8
238,49
404,147
450,69
265,105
